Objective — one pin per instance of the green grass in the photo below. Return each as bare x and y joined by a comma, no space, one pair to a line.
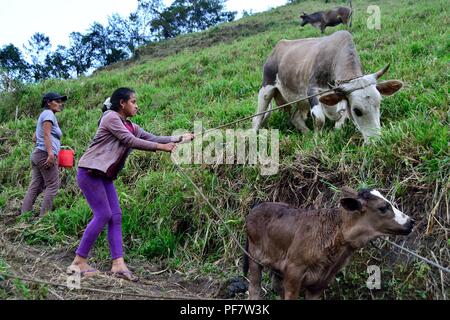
217,82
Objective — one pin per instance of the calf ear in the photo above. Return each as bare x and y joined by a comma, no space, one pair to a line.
388,88
332,99
348,192
351,204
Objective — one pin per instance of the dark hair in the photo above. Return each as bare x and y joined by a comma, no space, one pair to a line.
117,96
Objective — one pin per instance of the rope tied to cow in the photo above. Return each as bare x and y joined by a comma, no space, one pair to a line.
447,270
269,111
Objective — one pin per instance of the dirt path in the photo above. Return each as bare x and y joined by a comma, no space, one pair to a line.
48,264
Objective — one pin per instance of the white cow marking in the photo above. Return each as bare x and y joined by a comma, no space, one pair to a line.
400,217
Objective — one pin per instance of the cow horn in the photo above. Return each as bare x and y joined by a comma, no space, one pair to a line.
380,73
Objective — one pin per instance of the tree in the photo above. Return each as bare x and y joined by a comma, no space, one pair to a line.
13,67
170,22
118,34
106,49
207,13
80,54
140,23
12,61
184,16
57,63
38,48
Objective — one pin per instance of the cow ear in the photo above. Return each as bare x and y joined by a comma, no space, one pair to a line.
332,99
349,192
388,88
351,204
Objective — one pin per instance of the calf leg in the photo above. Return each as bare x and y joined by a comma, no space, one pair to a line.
291,283
265,96
313,295
277,284
254,290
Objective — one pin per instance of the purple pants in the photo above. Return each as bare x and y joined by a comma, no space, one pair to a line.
101,196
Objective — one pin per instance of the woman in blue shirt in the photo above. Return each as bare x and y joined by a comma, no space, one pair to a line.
44,172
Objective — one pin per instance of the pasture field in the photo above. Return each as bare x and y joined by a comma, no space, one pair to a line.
214,77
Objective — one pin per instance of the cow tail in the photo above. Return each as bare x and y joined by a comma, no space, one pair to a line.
245,264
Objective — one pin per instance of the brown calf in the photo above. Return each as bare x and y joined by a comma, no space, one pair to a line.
306,248
329,18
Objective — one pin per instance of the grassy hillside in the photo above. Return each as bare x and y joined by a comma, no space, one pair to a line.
214,77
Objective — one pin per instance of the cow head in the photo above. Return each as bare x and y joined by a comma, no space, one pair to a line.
364,98
304,19
372,215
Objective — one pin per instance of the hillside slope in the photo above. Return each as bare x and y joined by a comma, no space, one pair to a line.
214,77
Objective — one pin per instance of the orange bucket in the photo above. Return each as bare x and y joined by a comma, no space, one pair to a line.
66,157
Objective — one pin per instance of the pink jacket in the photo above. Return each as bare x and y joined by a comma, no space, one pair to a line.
113,143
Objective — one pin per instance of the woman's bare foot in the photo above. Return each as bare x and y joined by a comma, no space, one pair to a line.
118,265
119,269
80,265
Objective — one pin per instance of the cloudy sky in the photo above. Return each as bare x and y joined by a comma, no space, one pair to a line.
58,18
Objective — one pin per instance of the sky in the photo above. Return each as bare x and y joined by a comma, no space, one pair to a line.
58,18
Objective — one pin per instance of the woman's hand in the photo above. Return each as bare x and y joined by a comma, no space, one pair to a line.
169,147
188,137
50,161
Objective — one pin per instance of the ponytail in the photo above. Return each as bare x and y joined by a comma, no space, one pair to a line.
107,105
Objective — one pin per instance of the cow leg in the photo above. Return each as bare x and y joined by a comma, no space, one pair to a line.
280,101
342,109
254,290
291,283
313,295
298,122
318,117
267,115
265,96
277,284
316,110
338,125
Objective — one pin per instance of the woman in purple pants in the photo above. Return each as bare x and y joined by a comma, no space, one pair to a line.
99,167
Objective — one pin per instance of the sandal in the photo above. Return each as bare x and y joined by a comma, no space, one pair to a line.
86,273
126,275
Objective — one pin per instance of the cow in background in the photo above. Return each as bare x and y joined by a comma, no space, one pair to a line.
329,18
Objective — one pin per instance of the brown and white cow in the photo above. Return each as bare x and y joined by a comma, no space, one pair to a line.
300,68
306,248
